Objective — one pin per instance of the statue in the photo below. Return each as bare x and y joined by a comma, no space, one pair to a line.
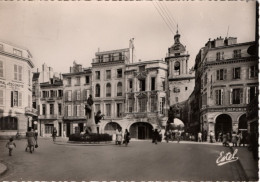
89,104
98,117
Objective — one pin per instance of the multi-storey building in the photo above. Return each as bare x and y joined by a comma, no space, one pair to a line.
180,81
145,97
77,88
229,81
108,81
51,107
16,110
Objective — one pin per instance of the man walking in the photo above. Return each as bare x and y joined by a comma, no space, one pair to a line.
199,137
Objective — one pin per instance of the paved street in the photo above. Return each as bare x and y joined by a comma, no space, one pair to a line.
141,160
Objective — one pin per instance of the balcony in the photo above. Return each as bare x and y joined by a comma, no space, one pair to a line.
49,116
75,118
31,111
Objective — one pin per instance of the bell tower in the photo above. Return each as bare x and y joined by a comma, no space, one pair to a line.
180,79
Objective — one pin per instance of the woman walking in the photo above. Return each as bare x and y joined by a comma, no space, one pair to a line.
234,139
31,140
225,140
126,137
54,134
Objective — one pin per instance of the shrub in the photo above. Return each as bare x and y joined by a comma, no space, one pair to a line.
93,137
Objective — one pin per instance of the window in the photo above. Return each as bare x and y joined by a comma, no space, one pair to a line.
222,74
45,94
108,90
253,71
252,92
119,110
237,96
59,109
34,105
108,74
97,93
97,75
69,81
1,68
43,109
18,72
16,99
77,80
69,110
86,94
87,80
219,97
177,68
77,110
119,89
236,73
153,104
142,104
218,56
8,123
142,85
1,97
29,77
237,53
162,103
131,103
78,95
153,83
48,128
97,107
163,85
60,93
69,95
119,73
186,88
52,93
108,109
130,84
51,109
17,52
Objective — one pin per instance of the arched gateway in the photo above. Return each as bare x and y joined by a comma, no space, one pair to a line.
242,123
141,130
111,127
223,124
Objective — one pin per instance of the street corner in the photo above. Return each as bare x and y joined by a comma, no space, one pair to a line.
3,169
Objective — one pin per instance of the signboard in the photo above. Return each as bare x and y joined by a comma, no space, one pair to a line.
4,84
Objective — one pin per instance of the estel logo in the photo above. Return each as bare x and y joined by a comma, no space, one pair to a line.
228,157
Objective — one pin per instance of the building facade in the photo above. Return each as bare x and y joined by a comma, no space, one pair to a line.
229,81
16,112
145,103
77,88
51,107
108,82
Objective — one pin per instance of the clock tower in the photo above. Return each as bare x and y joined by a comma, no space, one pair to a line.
180,82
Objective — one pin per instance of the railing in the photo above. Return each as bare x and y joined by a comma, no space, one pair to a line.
31,111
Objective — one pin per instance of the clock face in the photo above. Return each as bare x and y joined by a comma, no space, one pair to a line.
176,47
177,64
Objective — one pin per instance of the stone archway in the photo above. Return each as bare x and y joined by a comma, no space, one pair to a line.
242,122
141,130
110,128
223,124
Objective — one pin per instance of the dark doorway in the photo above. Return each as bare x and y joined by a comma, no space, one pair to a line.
242,122
141,130
223,124
68,129
81,126
60,129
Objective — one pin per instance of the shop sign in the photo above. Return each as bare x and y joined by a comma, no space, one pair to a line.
4,84
229,109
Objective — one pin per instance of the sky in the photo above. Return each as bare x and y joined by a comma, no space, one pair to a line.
58,33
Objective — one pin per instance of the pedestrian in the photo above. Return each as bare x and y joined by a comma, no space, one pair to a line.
234,139
54,134
167,136
119,136
199,137
126,137
225,141
156,136
219,136
228,137
10,145
205,135
211,135
239,138
178,136
30,140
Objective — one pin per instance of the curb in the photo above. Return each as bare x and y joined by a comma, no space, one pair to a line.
240,165
3,169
